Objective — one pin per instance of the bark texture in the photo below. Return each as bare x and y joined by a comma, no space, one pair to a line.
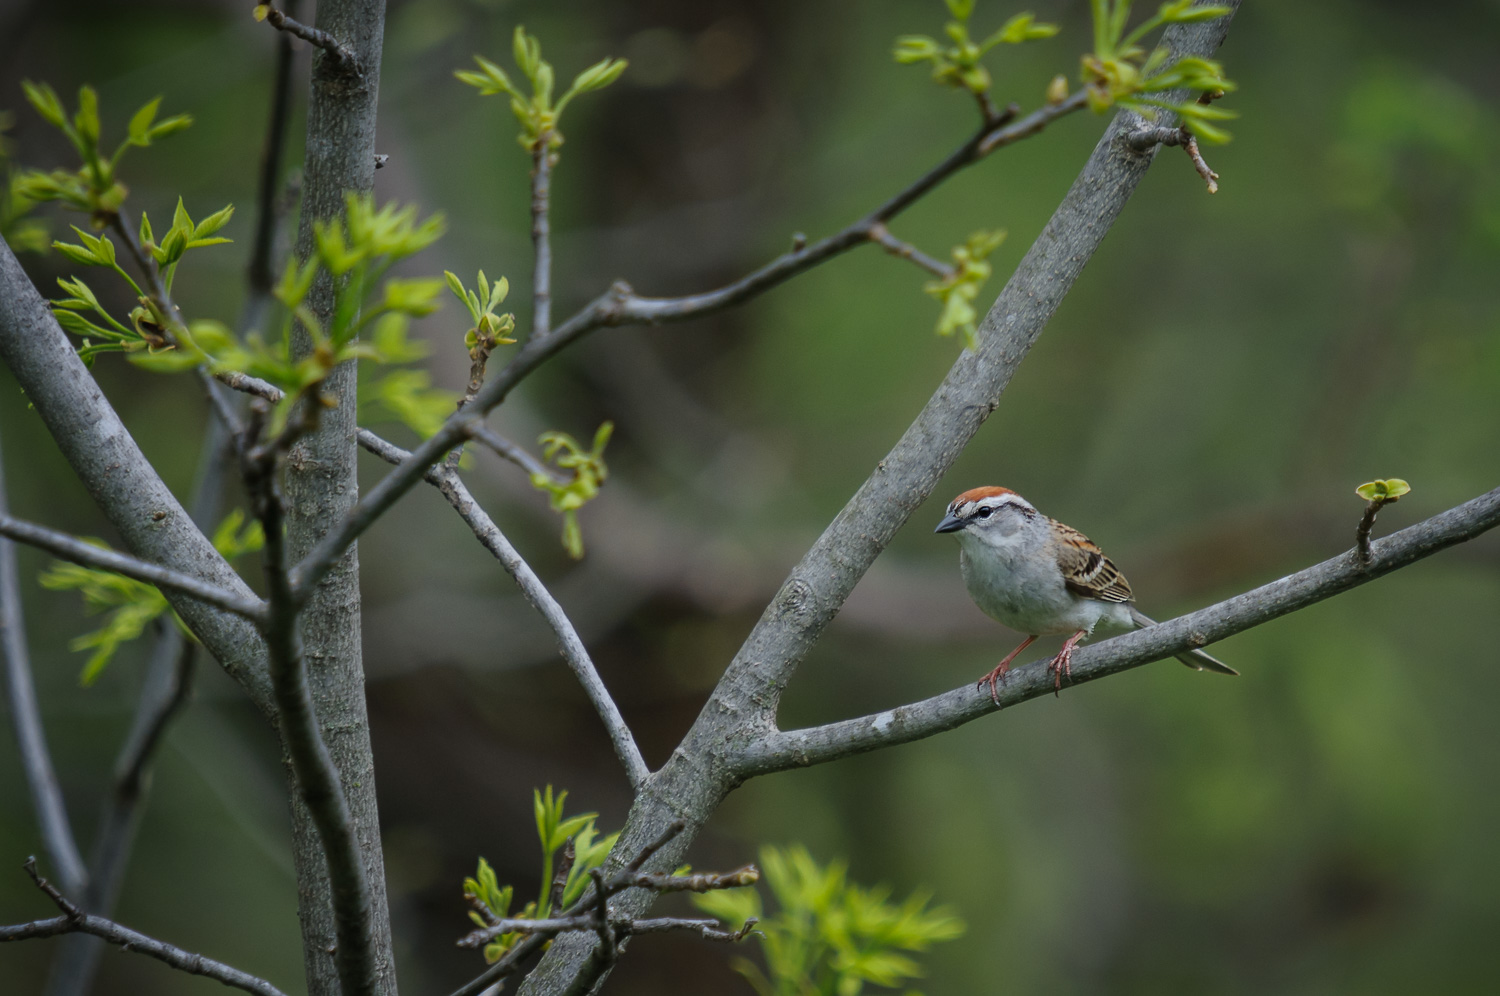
321,486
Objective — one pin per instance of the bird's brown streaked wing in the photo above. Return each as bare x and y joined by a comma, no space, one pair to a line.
1086,570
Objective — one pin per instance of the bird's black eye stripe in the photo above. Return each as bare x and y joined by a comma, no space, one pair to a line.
984,513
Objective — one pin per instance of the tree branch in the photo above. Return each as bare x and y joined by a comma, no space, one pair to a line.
779,751
905,250
101,451
514,452
621,306
338,53
541,232
77,551
569,645
317,778
31,738
75,920
742,708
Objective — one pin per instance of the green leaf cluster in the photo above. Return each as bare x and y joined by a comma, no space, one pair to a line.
958,64
537,112
489,329
554,831
588,473
133,605
830,937
94,186
1383,492
956,292
21,233
1120,71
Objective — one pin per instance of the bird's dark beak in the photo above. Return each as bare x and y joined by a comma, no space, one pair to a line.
950,524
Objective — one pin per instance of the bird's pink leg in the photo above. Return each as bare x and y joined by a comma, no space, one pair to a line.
1001,668
1063,662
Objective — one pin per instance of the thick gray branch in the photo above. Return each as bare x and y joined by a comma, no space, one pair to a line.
322,484
149,519
798,748
36,759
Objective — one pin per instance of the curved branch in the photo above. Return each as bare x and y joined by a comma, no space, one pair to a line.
779,751
75,920
79,552
569,645
36,759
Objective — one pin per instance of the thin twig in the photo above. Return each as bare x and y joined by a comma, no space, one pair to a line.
317,777
75,920
78,552
31,738
1144,138
261,273
905,250
343,58
541,231
621,306
569,644
513,452
800,748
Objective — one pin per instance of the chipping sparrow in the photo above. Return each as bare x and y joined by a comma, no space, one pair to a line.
1040,577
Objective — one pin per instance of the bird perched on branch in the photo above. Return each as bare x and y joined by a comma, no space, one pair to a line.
1040,577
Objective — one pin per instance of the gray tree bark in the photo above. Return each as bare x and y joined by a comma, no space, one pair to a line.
742,709
322,485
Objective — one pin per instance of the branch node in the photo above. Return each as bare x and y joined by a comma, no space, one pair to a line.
344,60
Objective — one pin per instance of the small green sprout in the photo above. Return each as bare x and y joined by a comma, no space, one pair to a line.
489,330
538,114
1120,71
407,395
971,269
958,65
589,472
1384,492
93,188
554,830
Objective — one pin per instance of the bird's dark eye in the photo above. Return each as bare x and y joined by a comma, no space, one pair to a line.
984,513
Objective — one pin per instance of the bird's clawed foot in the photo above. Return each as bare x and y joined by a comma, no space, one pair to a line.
996,675
1062,664
1000,670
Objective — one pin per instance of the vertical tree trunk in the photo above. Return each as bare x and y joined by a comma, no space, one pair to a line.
322,485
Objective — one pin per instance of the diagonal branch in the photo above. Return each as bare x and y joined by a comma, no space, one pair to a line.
568,642
697,777
798,748
620,306
36,759
76,550
75,920
150,520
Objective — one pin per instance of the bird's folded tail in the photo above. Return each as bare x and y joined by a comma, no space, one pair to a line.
1195,659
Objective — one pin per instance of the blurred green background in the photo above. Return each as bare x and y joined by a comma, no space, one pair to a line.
1228,368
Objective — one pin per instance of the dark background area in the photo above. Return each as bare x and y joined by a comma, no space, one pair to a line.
1203,405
